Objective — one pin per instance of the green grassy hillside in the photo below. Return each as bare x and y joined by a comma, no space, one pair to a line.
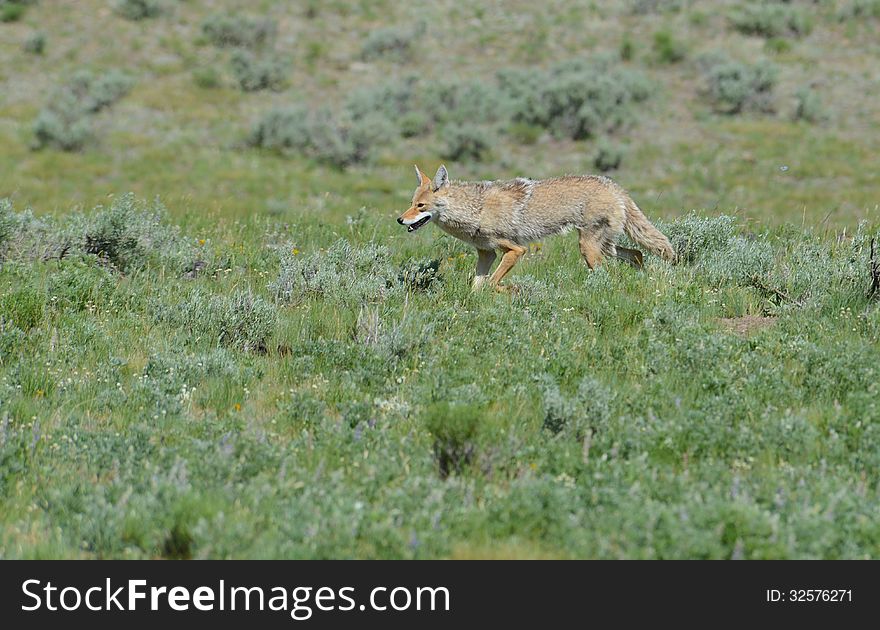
248,357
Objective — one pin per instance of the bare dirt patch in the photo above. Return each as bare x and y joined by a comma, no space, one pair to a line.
747,324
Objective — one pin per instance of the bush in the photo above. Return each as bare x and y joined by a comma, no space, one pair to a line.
345,274
35,44
693,236
241,321
24,236
413,124
667,48
95,93
339,141
13,10
138,9
342,142
575,416
390,42
65,123
390,342
524,133
258,72
574,99
809,106
455,429
771,20
466,142
465,102
390,99
68,130
608,157
734,87
234,30
419,274
857,9
8,224
206,78
282,129
738,262
129,235
644,7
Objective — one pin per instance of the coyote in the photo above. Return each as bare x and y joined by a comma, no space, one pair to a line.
509,215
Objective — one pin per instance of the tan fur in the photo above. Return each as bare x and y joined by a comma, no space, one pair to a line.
509,215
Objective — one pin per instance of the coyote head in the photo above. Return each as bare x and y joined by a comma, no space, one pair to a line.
423,207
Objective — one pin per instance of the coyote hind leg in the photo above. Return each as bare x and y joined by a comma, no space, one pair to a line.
594,247
512,254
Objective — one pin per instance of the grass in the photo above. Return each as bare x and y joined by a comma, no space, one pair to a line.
143,416
272,367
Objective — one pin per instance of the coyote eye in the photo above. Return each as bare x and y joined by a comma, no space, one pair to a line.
420,205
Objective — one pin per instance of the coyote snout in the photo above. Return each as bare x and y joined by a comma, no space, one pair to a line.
507,216
421,211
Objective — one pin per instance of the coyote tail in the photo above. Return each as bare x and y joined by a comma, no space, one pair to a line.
639,229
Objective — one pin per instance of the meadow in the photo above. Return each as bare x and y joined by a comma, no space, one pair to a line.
216,342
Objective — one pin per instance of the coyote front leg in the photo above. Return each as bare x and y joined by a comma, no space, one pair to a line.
485,258
512,254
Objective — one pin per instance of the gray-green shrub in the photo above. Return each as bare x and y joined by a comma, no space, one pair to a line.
241,321
694,236
138,9
644,7
391,99
65,123
575,99
771,19
465,101
94,93
344,274
68,130
413,124
282,129
237,30
466,142
255,72
738,262
337,140
856,9
35,44
128,235
392,42
808,106
735,87
608,157
574,416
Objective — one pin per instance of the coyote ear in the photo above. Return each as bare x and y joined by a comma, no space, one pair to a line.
441,178
423,179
